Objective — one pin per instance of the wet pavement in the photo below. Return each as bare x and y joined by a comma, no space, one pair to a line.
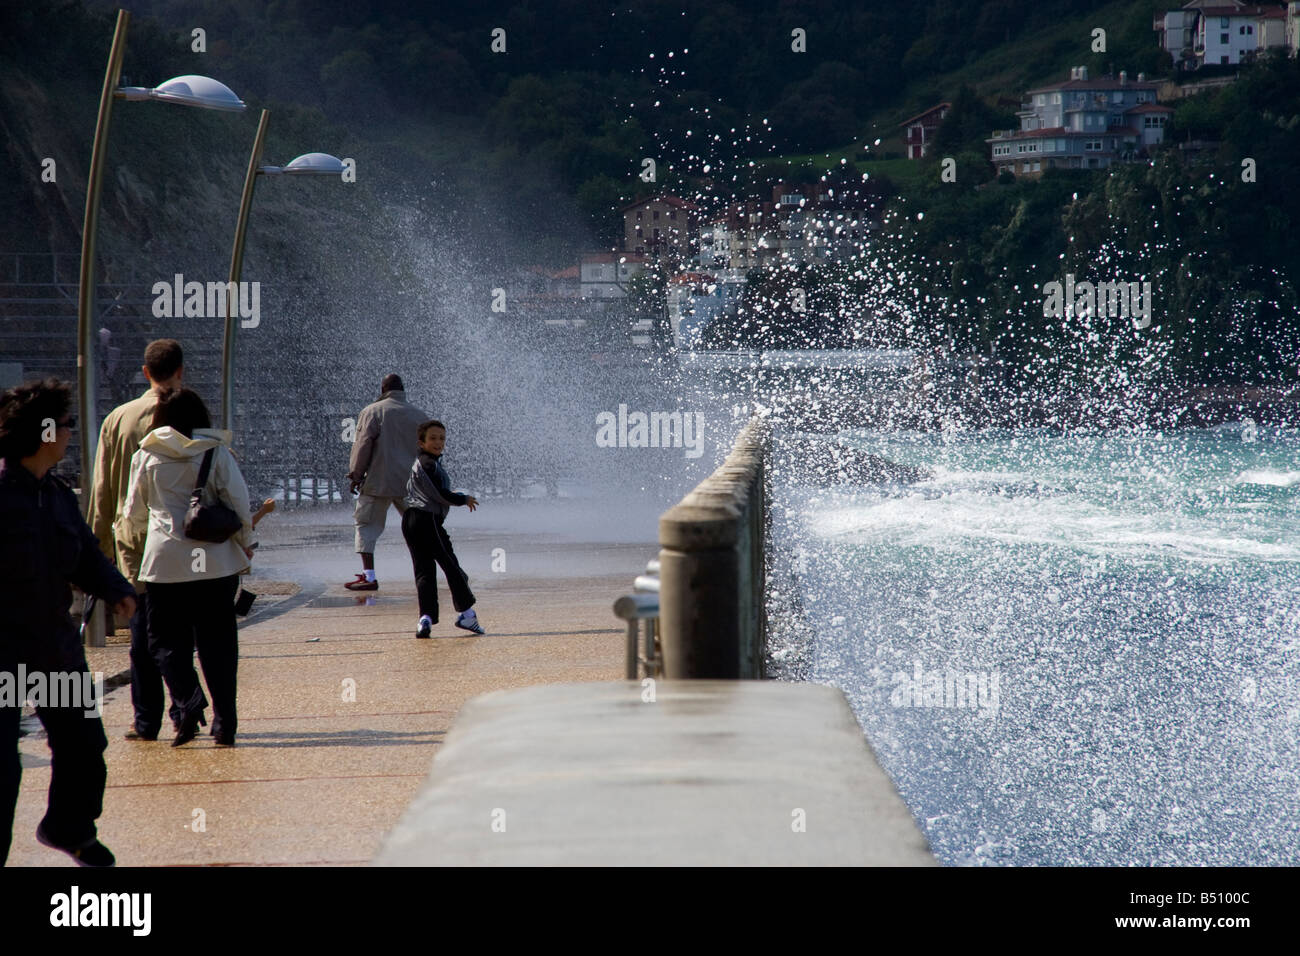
341,708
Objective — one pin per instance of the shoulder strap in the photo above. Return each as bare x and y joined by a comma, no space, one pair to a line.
203,474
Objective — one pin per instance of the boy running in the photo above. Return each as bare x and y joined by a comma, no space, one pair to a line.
428,499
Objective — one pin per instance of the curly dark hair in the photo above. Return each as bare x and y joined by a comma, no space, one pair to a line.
24,411
425,426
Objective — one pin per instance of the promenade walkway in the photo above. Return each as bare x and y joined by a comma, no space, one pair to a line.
341,709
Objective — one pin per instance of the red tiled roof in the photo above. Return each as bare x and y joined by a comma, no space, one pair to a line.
932,109
1235,11
615,257
687,278
666,200
1149,108
1051,132
1105,83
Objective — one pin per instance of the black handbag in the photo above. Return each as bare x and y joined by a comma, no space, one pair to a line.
216,522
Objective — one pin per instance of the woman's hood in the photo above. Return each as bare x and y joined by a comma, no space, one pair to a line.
169,443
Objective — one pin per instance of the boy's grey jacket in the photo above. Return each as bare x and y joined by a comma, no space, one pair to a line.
429,489
386,440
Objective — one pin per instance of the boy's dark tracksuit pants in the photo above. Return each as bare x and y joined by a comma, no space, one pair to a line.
430,547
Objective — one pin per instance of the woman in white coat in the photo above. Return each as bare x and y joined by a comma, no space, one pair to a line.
191,584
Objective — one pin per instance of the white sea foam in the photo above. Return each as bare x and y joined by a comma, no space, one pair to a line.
1268,476
969,520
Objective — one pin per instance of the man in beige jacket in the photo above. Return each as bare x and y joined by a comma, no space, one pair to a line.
382,453
119,437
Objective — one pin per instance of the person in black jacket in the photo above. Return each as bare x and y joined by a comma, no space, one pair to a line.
428,499
44,547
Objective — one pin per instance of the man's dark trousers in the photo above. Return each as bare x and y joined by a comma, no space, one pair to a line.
429,546
146,678
77,774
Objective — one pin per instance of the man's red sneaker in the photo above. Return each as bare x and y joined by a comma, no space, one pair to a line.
361,584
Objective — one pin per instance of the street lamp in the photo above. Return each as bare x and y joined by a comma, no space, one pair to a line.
199,91
308,164
202,91
186,90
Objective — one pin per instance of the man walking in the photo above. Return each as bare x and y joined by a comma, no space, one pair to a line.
119,437
382,453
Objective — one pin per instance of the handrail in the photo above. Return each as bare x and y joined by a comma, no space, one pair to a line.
635,608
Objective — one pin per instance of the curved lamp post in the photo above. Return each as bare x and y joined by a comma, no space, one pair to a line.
308,164
199,91
188,91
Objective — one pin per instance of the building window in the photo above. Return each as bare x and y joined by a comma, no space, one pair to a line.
1056,99
656,214
672,214
639,214
1223,38
1223,61
1092,146
638,232
1223,23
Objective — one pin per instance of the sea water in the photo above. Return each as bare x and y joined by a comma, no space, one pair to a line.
1122,613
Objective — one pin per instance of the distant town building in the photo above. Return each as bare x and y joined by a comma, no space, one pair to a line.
1293,28
697,298
605,275
738,237
803,222
1081,124
1222,32
919,130
543,283
662,227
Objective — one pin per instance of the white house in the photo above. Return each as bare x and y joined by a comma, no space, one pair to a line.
1081,124
604,275
1221,32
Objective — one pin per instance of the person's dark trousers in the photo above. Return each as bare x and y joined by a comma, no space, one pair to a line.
77,774
146,679
197,614
430,547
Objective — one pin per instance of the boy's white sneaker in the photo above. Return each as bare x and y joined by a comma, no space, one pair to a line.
425,627
468,621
